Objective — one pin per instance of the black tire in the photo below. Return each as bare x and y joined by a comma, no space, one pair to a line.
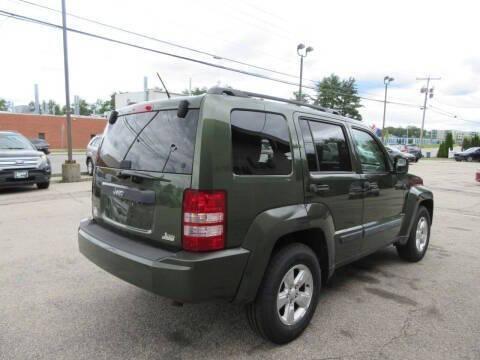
89,167
410,251
262,314
469,159
43,185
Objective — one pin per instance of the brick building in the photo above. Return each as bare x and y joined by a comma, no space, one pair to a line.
53,128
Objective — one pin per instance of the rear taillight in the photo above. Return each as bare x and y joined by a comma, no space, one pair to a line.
204,219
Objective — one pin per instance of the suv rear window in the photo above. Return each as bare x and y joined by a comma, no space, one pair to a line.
151,141
260,143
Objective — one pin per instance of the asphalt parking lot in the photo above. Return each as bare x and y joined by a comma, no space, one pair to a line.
54,304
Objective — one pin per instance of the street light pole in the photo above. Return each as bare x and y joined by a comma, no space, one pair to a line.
386,80
67,82
301,77
302,54
70,169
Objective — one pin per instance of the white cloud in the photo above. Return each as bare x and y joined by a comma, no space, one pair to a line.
365,39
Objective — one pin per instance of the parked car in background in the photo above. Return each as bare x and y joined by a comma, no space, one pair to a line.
91,155
472,154
41,145
411,149
395,154
21,163
226,196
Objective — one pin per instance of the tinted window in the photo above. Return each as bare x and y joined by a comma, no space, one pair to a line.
330,146
166,144
371,156
151,141
260,144
120,135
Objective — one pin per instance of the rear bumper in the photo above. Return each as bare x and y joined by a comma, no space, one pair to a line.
182,276
35,176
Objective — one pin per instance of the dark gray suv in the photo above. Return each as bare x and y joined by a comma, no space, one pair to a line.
21,163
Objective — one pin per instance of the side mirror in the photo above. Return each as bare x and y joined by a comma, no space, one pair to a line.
401,165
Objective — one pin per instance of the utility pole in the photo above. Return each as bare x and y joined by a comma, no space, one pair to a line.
70,170
386,80
145,87
428,94
37,99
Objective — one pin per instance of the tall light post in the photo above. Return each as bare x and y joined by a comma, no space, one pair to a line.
70,170
386,80
302,52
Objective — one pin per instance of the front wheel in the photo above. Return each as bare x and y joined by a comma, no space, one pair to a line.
469,159
288,295
416,247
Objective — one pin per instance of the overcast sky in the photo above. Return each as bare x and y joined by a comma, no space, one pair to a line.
364,39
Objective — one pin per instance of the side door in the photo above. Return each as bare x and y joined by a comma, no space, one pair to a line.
330,179
384,191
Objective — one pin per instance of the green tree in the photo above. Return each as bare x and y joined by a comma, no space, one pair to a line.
195,91
54,108
340,95
305,97
442,150
84,107
475,141
449,141
101,106
466,143
3,105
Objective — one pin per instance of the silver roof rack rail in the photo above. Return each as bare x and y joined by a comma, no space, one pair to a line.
233,92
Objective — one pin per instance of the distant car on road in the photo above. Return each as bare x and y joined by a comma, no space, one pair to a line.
395,154
472,154
411,149
41,145
91,155
21,163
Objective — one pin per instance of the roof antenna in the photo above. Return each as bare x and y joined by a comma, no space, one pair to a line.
163,84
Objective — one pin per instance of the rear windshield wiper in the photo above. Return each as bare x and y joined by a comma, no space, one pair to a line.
123,174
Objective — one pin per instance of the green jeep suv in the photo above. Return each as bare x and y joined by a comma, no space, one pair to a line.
248,198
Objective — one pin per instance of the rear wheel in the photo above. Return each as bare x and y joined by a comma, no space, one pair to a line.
288,295
89,167
43,185
416,247
469,159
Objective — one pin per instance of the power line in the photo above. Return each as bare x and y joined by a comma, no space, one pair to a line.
244,72
451,115
101,37
215,56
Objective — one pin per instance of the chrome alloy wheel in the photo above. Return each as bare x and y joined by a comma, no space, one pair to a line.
294,294
421,234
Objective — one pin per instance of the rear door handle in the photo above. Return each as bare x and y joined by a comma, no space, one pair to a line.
319,188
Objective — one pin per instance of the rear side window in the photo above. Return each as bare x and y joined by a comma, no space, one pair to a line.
151,141
325,146
260,143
